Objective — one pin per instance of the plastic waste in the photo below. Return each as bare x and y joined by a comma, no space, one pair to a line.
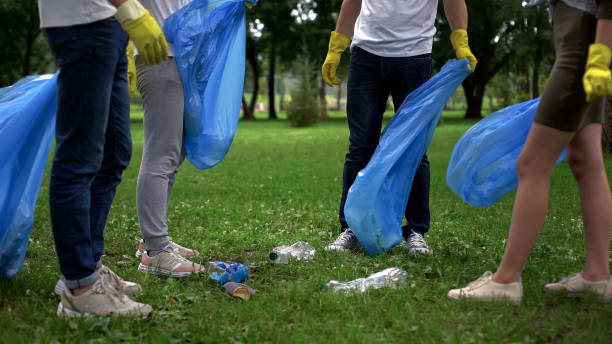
392,277
225,272
300,250
209,38
377,200
27,127
482,167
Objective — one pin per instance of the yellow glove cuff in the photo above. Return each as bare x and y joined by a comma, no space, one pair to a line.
129,10
459,39
338,42
599,56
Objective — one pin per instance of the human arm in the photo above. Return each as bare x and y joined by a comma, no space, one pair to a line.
457,17
340,39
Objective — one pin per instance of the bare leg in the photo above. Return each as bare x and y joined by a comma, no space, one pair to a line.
586,161
535,166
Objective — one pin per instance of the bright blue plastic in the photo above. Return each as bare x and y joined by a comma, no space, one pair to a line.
209,38
234,272
377,200
27,126
482,167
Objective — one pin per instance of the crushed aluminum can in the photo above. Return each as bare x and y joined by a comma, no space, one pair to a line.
391,277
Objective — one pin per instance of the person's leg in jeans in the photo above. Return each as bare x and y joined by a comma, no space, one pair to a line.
367,96
162,93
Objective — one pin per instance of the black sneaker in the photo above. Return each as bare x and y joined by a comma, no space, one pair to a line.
344,242
416,244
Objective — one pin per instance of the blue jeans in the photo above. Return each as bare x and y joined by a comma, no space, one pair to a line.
93,143
371,80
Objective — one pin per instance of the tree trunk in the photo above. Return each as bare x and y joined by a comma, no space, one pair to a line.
246,114
27,60
251,56
281,90
606,135
271,92
324,114
339,97
473,98
535,78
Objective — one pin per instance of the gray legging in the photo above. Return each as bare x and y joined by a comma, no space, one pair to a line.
162,94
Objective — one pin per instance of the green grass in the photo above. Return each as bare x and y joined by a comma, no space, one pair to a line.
279,185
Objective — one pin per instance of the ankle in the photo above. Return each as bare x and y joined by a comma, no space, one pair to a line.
79,291
595,276
505,278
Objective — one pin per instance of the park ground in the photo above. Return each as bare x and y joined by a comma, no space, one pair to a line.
279,185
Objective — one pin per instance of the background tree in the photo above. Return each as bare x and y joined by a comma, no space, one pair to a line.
23,50
500,32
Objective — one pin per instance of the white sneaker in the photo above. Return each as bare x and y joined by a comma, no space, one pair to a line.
176,248
168,263
575,285
100,300
344,242
108,277
415,243
485,289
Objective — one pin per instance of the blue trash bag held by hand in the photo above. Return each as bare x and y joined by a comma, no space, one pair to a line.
482,167
376,201
27,126
209,38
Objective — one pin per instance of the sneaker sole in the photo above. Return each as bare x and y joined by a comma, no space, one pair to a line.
153,270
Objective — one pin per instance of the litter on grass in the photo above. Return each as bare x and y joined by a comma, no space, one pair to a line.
301,250
228,272
392,277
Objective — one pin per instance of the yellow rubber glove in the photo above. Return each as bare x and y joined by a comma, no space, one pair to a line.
337,44
597,80
459,40
143,31
131,72
249,5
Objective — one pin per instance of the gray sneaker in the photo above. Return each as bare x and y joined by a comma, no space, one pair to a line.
101,300
344,242
176,248
575,286
416,244
108,277
168,263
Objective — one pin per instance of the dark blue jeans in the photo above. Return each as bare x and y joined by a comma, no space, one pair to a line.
93,143
371,80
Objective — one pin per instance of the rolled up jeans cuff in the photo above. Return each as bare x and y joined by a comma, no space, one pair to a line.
82,282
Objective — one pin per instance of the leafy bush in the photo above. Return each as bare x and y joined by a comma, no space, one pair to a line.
304,110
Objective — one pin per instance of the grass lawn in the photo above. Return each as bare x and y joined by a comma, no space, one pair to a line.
279,185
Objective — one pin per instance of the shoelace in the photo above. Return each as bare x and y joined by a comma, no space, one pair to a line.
418,241
482,279
344,238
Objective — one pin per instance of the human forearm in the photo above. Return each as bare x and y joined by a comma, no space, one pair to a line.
456,14
348,15
117,3
604,32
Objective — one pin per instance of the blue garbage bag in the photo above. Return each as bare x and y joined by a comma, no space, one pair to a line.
209,38
377,200
482,167
27,126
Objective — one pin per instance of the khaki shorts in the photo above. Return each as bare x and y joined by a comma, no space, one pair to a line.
563,104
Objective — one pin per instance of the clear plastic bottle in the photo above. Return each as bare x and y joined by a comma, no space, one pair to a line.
390,277
300,250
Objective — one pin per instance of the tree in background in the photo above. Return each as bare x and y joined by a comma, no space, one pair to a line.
23,50
501,33
304,108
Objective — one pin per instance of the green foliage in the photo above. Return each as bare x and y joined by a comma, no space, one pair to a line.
304,110
23,49
279,185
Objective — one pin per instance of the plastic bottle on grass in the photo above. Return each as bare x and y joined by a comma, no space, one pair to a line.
390,277
300,250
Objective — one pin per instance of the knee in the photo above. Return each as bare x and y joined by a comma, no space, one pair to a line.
581,164
529,165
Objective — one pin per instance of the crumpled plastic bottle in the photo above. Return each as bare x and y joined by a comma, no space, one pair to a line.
225,272
391,277
300,250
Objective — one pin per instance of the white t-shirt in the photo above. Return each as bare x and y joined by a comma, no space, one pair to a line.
54,13
396,28
160,10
